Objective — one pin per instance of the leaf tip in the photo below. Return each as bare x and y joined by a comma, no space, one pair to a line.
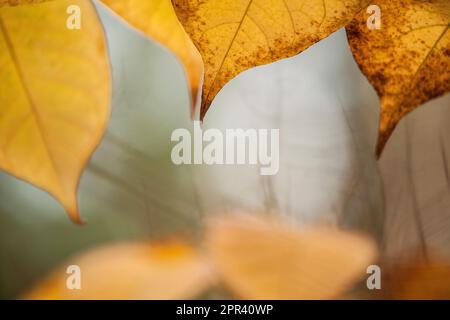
204,109
386,127
74,214
194,101
381,143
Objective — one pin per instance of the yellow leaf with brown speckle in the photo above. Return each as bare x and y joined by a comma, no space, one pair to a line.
17,2
407,60
235,35
129,270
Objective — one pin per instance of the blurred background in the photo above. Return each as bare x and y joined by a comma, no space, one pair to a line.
327,114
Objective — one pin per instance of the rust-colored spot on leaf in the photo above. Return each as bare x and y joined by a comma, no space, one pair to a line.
407,61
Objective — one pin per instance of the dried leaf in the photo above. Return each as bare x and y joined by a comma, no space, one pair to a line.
157,19
135,270
262,258
17,2
407,60
233,36
55,95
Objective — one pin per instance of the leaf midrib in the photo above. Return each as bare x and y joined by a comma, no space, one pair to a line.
413,79
31,103
229,47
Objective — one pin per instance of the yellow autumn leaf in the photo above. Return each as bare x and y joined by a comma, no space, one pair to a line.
55,97
407,60
17,2
134,270
264,258
235,35
157,19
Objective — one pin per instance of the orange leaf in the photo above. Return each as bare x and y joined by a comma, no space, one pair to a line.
135,270
264,258
407,60
235,35
416,279
17,2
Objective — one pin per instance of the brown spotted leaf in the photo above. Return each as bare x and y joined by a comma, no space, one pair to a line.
235,35
407,60
17,2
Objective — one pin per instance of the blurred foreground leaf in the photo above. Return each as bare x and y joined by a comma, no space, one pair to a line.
135,270
414,278
263,258
256,258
